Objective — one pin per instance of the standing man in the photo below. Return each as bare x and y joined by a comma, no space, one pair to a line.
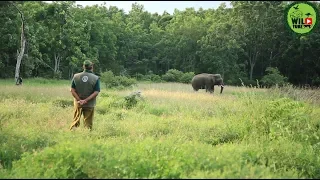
85,88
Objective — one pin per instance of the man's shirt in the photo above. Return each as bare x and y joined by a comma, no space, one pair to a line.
96,87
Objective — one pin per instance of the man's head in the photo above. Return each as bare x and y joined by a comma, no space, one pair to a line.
88,65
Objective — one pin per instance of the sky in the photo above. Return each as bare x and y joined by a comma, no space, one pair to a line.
158,6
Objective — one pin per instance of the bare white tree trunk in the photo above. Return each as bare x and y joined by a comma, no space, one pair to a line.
57,59
23,45
19,58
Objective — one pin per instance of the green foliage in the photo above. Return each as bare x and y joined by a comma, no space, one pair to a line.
152,77
172,75
316,81
107,78
132,100
170,133
119,82
139,77
57,75
186,77
149,159
247,82
123,81
273,77
13,145
61,35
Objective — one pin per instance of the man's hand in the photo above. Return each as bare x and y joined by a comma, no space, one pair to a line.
82,102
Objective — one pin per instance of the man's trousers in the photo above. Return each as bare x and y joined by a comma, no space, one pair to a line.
87,113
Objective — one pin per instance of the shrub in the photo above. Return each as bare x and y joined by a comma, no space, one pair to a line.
151,77
273,77
132,100
139,76
147,159
57,75
155,78
247,82
123,81
172,75
168,77
107,78
119,82
186,77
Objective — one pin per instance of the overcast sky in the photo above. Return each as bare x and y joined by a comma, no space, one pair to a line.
158,6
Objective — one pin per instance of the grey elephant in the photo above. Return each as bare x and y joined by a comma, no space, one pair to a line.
207,81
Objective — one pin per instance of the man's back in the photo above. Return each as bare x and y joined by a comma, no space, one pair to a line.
85,83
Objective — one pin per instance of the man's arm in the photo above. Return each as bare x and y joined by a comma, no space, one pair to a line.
95,93
73,91
74,94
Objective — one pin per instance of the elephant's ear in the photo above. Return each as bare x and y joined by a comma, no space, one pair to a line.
212,79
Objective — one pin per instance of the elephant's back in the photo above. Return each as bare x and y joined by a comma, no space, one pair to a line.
200,76
198,79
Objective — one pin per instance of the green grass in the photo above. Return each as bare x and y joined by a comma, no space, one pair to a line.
172,132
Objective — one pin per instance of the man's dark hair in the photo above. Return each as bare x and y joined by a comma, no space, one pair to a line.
88,67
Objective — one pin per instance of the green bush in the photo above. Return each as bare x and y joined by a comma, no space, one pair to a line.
151,77
123,81
246,82
57,75
107,78
186,77
12,146
290,119
172,75
154,78
119,82
146,159
168,77
139,76
273,77
132,100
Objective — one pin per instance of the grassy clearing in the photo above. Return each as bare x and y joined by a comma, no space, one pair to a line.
172,133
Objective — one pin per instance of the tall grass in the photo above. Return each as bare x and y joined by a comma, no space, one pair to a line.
172,132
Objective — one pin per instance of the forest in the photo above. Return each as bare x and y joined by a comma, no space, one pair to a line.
148,121
238,42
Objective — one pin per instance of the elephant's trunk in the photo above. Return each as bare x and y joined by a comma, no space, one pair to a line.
222,86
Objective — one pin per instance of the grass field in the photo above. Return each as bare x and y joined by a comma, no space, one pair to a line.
171,133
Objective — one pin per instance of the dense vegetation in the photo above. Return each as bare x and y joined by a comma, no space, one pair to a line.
165,130
169,132
238,42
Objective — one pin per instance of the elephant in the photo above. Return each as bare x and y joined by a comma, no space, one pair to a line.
207,81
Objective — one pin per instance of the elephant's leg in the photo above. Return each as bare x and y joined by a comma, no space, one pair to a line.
210,90
206,88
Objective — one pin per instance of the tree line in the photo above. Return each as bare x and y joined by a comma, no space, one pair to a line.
238,42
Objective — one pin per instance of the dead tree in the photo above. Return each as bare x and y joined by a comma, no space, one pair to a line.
22,45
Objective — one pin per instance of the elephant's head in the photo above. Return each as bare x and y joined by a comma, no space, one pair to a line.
217,80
